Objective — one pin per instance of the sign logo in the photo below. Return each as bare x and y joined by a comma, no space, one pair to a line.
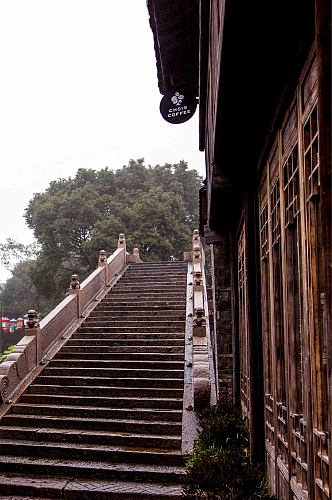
177,98
179,104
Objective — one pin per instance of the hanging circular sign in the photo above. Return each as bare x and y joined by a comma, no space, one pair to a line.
178,105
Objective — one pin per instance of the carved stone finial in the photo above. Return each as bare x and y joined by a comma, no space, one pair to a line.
121,241
196,234
32,319
74,284
199,318
136,252
102,256
198,279
197,252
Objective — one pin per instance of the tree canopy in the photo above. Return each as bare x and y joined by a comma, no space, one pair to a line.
19,293
156,207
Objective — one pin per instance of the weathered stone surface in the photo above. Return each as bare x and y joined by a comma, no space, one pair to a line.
106,412
202,391
201,370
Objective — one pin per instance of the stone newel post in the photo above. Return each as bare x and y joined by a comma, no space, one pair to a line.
103,263
75,289
122,244
32,329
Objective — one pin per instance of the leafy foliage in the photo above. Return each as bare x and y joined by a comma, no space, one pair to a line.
219,467
156,207
75,218
8,351
20,294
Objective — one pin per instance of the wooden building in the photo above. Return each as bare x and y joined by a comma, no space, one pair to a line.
262,74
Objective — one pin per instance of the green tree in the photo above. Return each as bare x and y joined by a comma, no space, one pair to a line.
156,208
20,294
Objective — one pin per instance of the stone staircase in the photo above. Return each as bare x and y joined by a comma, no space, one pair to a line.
103,420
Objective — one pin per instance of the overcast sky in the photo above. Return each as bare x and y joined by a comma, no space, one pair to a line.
78,89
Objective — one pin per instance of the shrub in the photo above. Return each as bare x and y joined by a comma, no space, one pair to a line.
219,467
9,350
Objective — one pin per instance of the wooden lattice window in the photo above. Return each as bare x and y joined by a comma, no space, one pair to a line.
291,187
292,300
277,288
243,324
265,305
316,298
293,265
299,450
311,156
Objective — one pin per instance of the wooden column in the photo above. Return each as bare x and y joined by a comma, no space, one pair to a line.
256,389
323,52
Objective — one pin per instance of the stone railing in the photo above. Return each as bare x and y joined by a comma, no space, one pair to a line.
39,338
204,387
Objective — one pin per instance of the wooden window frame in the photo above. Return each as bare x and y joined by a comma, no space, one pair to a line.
294,424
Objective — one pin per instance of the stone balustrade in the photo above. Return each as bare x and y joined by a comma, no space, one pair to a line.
204,387
39,338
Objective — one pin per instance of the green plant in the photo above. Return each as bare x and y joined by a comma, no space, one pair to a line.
9,350
219,467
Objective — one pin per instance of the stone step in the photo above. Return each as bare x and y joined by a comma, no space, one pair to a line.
143,349
89,437
36,487
66,410
107,391
111,342
149,277
152,281
130,356
144,295
110,382
114,372
75,468
134,323
151,289
107,402
148,280
147,283
126,300
168,294
109,305
171,332
134,307
121,490
159,265
161,315
175,271
94,424
142,303
82,451
153,278
131,364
